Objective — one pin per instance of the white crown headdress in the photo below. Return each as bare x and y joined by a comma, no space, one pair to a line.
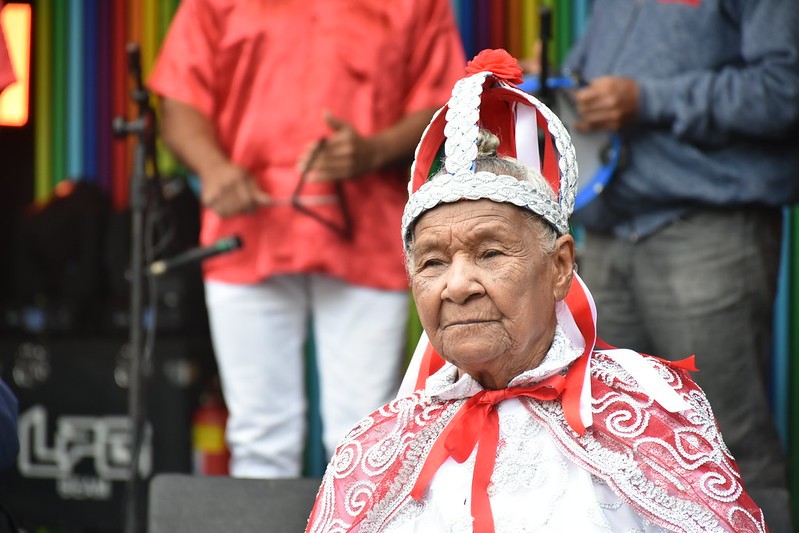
487,99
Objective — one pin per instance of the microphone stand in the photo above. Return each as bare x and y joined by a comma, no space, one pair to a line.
545,93
143,127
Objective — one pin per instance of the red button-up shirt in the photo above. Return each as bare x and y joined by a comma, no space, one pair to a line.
265,72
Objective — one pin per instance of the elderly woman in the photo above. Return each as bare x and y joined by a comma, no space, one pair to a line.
512,418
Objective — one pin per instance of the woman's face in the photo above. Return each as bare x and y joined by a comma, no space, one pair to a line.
484,288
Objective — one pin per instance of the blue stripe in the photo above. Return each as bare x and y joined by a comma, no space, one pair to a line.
91,126
579,17
780,371
75,102
466,19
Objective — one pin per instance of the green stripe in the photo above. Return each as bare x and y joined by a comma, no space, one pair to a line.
59,100
42,100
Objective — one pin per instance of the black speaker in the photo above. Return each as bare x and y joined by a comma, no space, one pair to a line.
189,504
75,433
59,277
71,262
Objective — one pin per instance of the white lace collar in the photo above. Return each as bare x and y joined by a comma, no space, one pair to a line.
445,385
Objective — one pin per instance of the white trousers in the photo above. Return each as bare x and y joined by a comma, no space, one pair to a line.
258,333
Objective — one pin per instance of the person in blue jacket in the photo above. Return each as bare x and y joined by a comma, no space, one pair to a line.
682,248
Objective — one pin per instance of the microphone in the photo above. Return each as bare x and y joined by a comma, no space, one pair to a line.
222,246
134,60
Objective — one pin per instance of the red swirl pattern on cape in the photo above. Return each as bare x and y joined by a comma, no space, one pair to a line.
689,481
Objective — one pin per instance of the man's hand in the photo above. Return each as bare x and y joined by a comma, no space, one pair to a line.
345,154
607,104
229,190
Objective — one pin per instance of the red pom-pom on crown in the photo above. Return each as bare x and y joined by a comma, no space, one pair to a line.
499,62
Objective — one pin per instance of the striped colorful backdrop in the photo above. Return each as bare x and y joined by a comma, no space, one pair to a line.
82,82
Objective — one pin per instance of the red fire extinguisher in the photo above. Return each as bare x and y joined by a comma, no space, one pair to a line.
211,454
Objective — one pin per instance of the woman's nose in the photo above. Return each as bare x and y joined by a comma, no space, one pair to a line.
462,282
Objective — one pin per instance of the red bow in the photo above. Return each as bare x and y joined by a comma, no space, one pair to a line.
478,421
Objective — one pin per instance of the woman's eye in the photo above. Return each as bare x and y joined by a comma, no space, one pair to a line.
430,263
488,254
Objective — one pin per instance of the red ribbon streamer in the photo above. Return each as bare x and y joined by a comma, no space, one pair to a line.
577,301
688,363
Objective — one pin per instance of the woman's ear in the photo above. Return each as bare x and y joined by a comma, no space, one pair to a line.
563,264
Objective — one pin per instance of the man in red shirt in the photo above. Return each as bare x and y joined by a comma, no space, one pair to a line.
299,118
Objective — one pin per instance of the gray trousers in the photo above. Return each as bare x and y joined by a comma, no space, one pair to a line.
704,285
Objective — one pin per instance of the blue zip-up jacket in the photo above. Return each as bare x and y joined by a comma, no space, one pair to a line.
718,112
